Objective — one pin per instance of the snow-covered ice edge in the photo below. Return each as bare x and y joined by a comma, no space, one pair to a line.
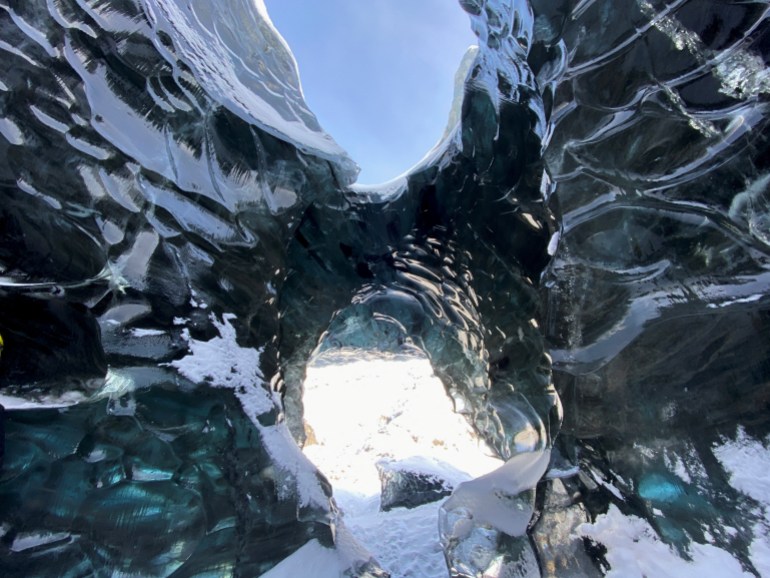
635,550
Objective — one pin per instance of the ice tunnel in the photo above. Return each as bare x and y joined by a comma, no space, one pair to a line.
584,260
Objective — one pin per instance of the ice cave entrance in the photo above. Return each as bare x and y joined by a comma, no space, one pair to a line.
379,75
361,408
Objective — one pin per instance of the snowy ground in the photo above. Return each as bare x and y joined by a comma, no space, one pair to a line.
360,411
634,550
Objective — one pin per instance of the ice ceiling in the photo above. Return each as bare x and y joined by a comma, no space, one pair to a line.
583,259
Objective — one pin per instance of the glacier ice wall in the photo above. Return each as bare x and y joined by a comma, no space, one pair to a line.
179,237
657,297
149,192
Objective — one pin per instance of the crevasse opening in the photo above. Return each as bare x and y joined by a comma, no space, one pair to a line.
381,76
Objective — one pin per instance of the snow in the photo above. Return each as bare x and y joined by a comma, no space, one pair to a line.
395,409
140,332
677,467
428,467
321,562
749,299
608,485
66,399
747,461
488,498
363,409
634,550
223,363
403,541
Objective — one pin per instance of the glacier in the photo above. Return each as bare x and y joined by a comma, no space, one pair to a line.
584,259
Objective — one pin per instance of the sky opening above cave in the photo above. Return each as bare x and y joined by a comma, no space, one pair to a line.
378,74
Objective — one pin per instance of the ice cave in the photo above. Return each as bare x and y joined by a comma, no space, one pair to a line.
576,277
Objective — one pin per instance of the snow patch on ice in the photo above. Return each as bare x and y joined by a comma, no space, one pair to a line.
609,486
221,362
284,450
634,550
747,461
140,332
311,560
677,467
727,303
426,466
66,399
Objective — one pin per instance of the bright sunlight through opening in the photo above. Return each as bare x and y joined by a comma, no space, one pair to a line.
379,74
365,408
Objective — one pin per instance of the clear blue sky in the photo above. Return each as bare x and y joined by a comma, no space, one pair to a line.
378,74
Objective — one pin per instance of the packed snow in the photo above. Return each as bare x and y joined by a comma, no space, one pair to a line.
222,362
634,550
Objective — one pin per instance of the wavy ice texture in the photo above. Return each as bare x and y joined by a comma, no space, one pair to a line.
166,193
242,61
658,291
138,205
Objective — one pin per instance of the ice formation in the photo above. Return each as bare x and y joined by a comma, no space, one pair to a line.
179,238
